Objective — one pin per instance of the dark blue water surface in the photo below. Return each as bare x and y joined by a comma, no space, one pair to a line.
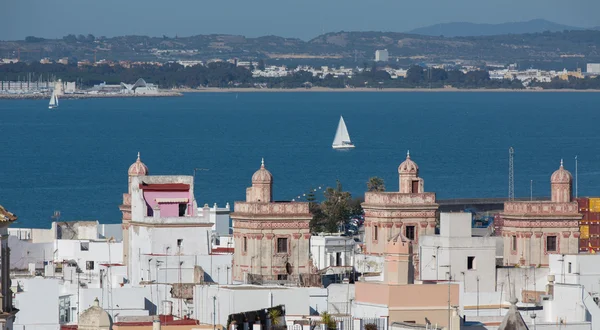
75,158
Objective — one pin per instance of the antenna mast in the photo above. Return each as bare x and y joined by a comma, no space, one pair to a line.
511,174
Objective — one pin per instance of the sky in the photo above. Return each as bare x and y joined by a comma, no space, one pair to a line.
303,19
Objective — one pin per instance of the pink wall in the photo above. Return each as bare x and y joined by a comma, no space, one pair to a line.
403,296
171,209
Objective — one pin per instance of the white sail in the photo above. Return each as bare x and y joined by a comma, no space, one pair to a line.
342,138
53,101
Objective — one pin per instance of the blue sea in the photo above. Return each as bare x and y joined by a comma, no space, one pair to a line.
75,158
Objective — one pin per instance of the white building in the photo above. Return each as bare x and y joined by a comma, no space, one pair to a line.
332,251
381,55
472,260
219,217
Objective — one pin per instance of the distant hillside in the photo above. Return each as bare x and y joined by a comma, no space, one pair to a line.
555,50
461,29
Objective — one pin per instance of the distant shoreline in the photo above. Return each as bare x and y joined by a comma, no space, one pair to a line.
85,96
374,90
180,92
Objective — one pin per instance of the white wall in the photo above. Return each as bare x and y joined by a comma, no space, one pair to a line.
247,298
584,270
454,246
340,298
22,253
37,304
566,305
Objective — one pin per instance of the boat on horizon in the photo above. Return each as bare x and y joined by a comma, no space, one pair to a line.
342,138
53,101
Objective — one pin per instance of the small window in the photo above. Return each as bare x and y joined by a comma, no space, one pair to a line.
282,277
410,232
551,243
182,208
569,268
470,263
514,243
89,265
374,233
282,245
245,244
84,246
179,242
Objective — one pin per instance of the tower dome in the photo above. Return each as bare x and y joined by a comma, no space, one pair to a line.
138,168
95,318
561,175
408,166
262,175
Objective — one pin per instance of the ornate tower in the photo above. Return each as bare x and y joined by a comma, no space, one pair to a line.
561,185
271,238
262,186
136,169
408,173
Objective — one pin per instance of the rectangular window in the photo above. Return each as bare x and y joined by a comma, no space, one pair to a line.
245,244
513,244
551,243
281,277
374,233
410,232
182,208
470,263
569,268
89,265
415,187
179,242
282,245
84,246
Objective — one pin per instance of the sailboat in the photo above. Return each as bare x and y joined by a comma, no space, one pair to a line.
53,101
342,138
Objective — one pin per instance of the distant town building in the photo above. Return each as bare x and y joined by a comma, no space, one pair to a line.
45,61
64,60
381,55
593,68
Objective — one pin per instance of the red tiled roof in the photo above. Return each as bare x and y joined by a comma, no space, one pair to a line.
222,250
165,186
68,327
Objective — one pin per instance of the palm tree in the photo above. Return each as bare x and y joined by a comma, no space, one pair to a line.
375,184
275,316
328,320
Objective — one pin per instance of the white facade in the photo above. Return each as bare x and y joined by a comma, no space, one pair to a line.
332,251
381,55
35,312
185,236
472,260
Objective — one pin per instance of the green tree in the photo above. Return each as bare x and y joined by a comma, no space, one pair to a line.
328,320
275,317
336,207
375,184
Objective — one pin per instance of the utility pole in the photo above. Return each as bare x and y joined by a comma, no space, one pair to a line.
214,312
511,174
576,190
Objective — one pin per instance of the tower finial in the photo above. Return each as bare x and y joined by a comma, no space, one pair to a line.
262,162
407,153
561,162
138,156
